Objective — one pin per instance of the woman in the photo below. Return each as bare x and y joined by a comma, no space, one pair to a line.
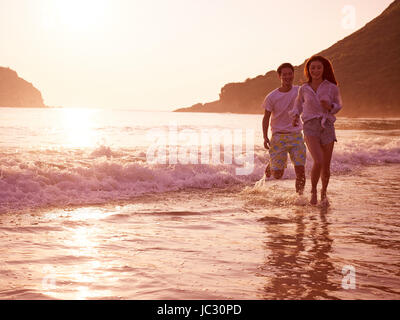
317,102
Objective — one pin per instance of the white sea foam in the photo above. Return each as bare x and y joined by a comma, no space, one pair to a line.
65,177
99,177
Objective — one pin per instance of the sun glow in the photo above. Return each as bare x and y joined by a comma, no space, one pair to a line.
77,15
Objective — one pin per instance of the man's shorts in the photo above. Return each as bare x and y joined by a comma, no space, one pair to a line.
284,143
313,128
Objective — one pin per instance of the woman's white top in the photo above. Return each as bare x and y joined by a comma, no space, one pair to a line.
308,105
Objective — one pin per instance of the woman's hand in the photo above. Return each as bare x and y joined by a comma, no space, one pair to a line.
295,121
326,105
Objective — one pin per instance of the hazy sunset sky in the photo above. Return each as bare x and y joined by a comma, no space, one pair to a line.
164,54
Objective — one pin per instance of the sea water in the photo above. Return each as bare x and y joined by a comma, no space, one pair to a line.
124,204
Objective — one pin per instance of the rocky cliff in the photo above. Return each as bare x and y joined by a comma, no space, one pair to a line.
16,92
366,64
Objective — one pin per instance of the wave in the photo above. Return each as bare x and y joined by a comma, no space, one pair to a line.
103,176
45,178
367,124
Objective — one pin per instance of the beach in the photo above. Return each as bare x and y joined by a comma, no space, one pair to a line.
85,215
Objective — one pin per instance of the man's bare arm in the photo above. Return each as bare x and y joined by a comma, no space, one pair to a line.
265,125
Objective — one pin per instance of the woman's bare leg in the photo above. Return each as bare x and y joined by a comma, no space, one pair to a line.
326,167
315,148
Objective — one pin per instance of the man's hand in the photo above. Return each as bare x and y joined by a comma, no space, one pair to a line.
295,122
266,143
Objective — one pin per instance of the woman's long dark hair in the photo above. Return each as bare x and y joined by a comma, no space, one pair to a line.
328,69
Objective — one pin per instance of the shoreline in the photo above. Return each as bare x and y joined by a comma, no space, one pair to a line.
44,107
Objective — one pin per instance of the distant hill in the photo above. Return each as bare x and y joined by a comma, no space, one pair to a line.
366,64
16,92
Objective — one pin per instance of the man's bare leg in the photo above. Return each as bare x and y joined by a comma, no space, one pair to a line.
277,173
300,179
268,170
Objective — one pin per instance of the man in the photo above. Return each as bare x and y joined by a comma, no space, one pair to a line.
286,138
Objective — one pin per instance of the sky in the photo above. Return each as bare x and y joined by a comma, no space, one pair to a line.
164,54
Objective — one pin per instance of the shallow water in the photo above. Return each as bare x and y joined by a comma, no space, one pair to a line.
234,243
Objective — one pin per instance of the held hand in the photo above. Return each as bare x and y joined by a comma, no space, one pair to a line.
295,122
266,143
326,105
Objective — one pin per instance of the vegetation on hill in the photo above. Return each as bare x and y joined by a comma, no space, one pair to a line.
366,64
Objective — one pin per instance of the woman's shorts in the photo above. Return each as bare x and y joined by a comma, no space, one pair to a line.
284,143
314,128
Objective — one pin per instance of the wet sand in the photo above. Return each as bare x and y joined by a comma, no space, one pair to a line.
236,243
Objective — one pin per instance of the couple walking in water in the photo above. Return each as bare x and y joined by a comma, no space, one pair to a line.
310,108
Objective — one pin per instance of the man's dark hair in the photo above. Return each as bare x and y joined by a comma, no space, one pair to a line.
284,65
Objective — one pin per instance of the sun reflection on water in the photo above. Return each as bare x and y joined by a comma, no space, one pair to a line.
79,127
85,273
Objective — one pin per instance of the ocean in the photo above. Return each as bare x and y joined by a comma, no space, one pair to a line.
124,204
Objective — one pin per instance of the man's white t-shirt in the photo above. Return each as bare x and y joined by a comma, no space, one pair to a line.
279,104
